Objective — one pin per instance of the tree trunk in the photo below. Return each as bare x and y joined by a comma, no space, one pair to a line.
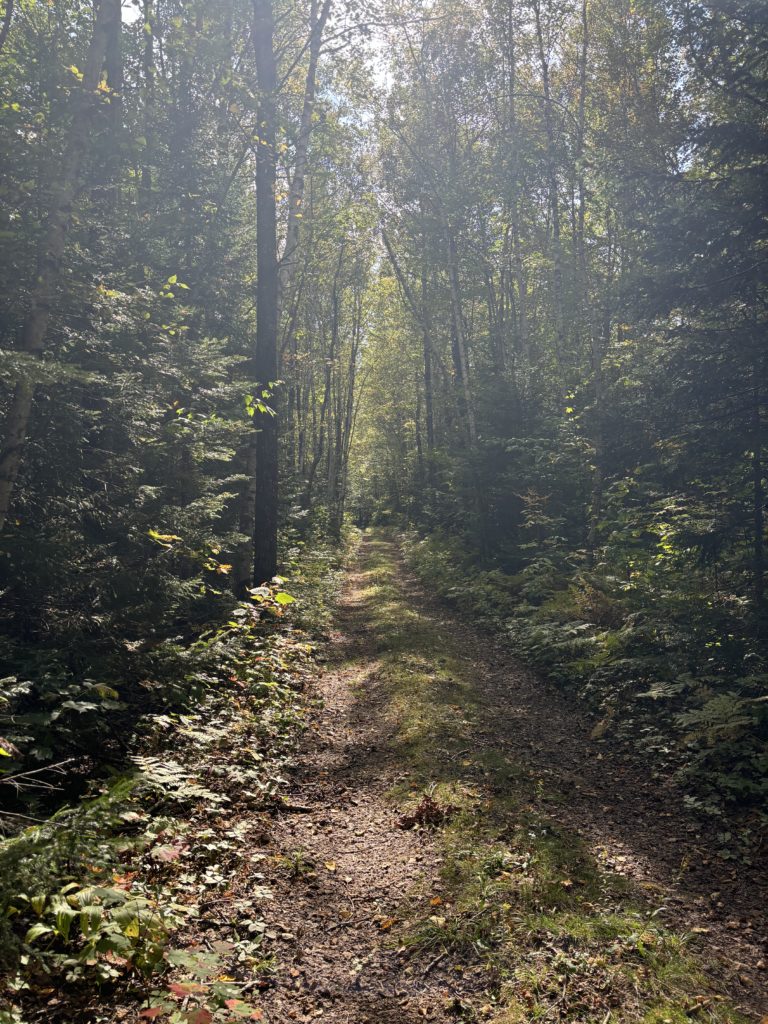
758,515
296,192
461,362
429,413
148,73
554,198
267,296
5,27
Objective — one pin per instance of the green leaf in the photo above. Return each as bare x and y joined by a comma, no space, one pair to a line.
38,903
282,598
90,920
37,930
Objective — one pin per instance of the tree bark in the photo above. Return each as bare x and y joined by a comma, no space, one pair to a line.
267,296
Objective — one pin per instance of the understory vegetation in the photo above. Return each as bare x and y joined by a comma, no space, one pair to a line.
656,674
557,929
105,899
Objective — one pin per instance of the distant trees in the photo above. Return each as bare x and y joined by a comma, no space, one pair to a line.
570,203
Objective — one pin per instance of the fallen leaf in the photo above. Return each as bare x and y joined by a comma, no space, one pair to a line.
165,854
199,1016
330,865
436,901
242,1009
186,988
386,923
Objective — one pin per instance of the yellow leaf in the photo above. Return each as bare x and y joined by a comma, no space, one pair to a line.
162,538
330,865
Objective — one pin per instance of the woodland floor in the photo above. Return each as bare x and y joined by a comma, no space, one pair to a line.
556,882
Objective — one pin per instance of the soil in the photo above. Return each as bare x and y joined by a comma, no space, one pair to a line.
346,866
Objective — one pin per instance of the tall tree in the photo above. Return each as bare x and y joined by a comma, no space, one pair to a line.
265,363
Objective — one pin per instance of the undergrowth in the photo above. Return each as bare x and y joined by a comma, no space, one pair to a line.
520,900
111,896
686,693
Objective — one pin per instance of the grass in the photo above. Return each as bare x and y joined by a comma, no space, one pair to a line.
556,936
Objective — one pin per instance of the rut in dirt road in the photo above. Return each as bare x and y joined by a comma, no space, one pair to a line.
525,898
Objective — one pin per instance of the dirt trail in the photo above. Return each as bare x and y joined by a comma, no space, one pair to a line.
347,862
345,876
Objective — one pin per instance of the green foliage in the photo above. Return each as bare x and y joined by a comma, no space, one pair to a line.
568,357
681,699
101,891
555,932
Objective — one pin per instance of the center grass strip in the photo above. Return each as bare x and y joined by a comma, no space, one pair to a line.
554,934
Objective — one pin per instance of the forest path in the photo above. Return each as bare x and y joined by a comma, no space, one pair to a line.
555,887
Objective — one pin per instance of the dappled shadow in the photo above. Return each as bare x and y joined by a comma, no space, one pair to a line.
417,699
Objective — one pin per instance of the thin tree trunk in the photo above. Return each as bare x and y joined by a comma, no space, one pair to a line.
758,515
462,366
349,414
148,70
429,413
5,27
296,191
557,298
600,341
267,296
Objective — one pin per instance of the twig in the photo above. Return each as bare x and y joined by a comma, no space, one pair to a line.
293,808
22,779
26,817
346,924
433,963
